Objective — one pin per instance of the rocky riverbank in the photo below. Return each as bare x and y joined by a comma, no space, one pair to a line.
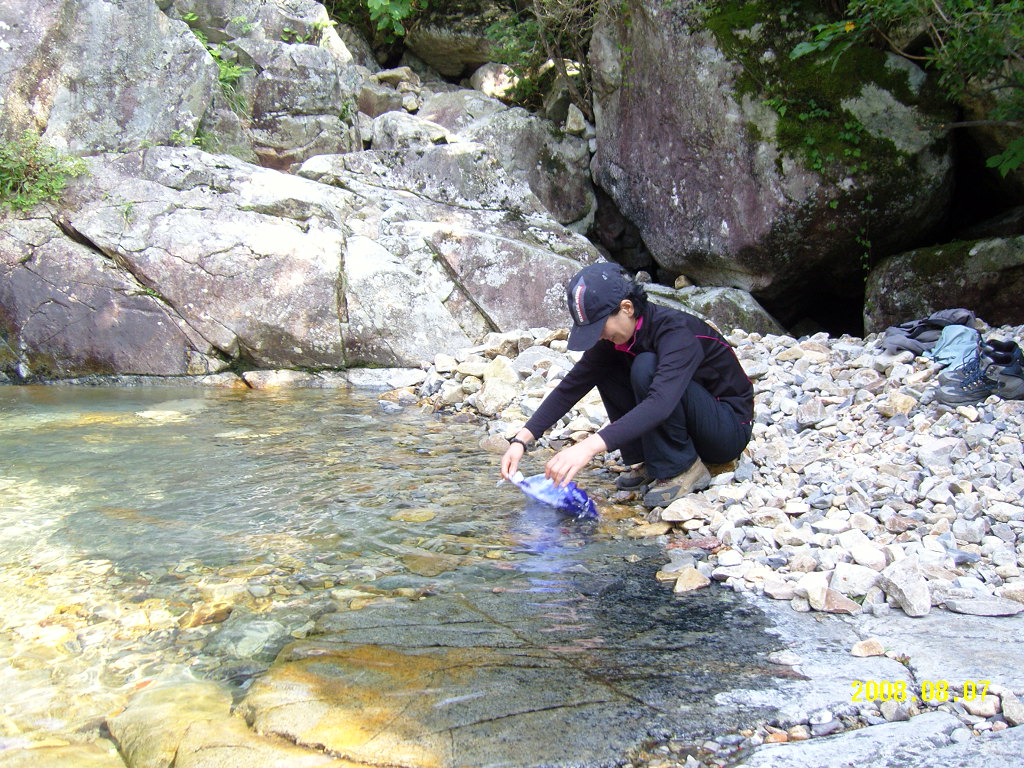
859,495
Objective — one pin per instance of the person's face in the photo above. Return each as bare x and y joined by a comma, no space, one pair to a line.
620,327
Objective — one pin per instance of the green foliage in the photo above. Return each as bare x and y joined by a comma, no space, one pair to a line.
1012,157
549,36
974,46
229,73
515,41
289,35
389,15
384,20
807,93
32,172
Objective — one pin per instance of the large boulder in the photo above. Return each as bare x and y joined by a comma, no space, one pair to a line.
293,91
248,258
101,76
452,38
294,98
554,164
728,309
981,275
66,309
743,168
477,236
263,81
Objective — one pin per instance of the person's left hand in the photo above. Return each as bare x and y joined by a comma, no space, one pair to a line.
564,465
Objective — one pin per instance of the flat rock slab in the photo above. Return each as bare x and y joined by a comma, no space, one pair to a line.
552,669
954,648
922,742
823,671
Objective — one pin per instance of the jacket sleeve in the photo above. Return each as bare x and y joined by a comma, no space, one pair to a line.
570,390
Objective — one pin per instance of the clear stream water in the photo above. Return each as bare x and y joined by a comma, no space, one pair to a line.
126,512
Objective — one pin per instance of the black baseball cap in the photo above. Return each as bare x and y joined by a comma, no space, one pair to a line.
593,294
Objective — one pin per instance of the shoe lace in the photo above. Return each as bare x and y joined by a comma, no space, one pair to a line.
970,364
977,379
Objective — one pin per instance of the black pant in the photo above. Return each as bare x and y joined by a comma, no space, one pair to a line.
699,425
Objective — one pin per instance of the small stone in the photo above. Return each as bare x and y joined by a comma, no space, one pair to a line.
959,735
839,603
798,733
899,524
784,658
1013,592
824,729
870,647
982,707
729,557
776,738
414,515
853,580
814,586
687,508
869,556
778,589
646,530
689,580
207,614
894,711
821,717
903,582
1013,709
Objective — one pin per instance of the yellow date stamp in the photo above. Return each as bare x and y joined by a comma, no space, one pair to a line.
928,690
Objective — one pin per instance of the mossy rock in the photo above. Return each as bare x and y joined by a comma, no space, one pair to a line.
743,167
985,276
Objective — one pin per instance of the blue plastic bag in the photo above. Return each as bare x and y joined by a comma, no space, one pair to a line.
569,498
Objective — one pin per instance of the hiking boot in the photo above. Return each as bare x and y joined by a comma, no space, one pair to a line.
966,369
987,357
974,388
664,492
1002,347
1010,381
633,478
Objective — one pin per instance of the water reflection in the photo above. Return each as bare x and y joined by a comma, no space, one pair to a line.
152,530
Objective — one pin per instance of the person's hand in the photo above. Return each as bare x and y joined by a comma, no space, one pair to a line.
510,461
564,465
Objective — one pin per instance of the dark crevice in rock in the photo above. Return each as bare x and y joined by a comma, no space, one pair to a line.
69,229
440,259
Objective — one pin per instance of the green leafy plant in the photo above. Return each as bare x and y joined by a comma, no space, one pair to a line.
243,23
348,110
32,172
389,16
289,35
229,72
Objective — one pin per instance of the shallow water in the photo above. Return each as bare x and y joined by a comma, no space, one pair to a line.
128,512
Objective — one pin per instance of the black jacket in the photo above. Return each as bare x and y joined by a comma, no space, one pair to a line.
688,349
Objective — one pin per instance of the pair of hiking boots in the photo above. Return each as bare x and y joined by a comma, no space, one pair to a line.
996,368
661,493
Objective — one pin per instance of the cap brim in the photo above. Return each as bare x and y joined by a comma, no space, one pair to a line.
583,337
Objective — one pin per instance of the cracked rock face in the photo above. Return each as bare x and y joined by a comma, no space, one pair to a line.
173,261
75,309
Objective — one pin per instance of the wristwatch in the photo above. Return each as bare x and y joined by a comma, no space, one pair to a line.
521,442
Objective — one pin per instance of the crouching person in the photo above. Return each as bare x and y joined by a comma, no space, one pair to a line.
675,394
